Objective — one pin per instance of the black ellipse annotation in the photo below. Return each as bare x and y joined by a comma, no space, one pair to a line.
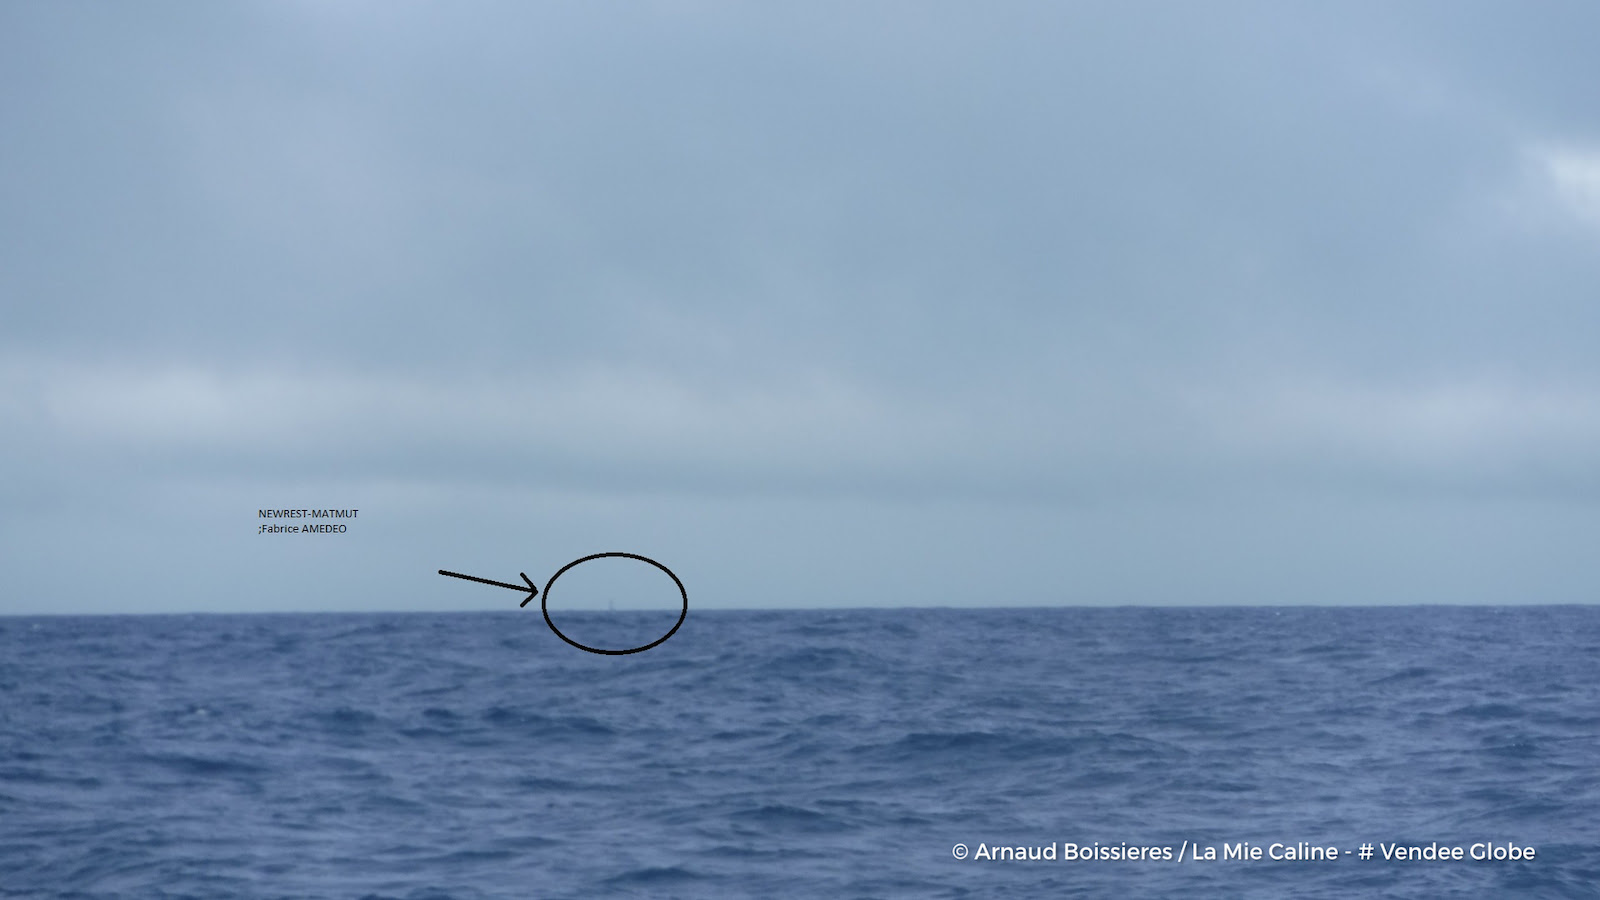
545,603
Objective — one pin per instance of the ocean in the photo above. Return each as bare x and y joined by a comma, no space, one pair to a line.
836,754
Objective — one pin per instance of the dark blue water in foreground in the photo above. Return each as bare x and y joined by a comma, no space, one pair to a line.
796,754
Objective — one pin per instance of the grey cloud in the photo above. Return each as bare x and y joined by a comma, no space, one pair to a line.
1033,263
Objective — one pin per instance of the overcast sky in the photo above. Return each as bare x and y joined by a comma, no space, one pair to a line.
837,304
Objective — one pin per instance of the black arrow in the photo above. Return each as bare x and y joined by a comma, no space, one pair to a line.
532,591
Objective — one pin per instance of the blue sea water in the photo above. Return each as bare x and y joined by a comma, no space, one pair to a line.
797,754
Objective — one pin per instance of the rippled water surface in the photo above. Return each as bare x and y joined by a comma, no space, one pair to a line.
796,754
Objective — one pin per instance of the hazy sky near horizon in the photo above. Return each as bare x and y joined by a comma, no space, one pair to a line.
829,304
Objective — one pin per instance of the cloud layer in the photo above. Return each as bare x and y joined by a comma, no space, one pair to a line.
913,282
